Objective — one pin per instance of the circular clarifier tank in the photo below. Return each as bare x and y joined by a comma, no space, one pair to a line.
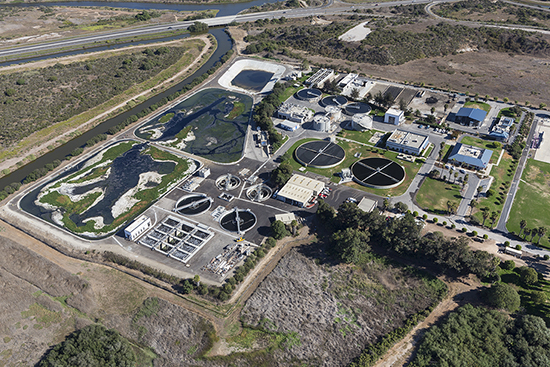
379,173
228,182
238,220
193,204
357,107
259,192
337,101
309,94
320,154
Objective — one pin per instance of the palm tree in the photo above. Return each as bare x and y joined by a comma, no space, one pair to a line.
522,225
526,232
455,176
542,232
479,190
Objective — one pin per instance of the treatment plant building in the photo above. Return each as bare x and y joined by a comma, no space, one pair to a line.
299,190
469,156
407,142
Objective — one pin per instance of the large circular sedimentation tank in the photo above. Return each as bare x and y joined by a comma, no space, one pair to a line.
238,220
228,182
357,107
193,204
309,94
320,154
259,192
380,173
334,101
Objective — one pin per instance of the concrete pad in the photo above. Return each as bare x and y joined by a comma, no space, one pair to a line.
543,152
356,34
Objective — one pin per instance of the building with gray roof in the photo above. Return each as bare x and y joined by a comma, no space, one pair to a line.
470,157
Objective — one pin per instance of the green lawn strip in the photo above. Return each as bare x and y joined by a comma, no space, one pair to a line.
479,105
289,92
445,152
532,201
434,194
507,112
428,151
525,291
502,173
483,144
360,136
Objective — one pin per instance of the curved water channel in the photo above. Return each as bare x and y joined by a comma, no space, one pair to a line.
224,45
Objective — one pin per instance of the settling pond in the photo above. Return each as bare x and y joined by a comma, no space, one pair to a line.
98,196
211,124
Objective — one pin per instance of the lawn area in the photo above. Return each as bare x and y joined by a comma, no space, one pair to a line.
508,112
483,144
360,136
434,194
479,105
502,174
411,169
532,201
289,92
445,152
525,291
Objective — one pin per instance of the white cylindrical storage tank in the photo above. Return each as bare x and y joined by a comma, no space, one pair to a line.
321,123
361,122
334,112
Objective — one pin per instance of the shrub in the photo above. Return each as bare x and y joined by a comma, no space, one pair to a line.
415,213
464,230
453,226
223,296
546,257
485,236
502,296
508,265
444,223
518,247
435,220
474,233
425,217
507,244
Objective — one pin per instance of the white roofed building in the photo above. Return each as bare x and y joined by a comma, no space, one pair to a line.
299,190
394,116
137,227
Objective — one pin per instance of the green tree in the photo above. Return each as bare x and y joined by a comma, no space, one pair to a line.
351,244
522,225
401,207
541,232
279,230
485,214
542,105
508,265
282,173
538,297
198,27
92,345
528,275
502,296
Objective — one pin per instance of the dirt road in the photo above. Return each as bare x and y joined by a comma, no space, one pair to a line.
461,292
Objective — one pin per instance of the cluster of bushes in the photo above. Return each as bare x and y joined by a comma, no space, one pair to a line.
93,345
136,265
198,27
146,15
356,231
40,172
475,336
265,109
96,139
388,46
31,177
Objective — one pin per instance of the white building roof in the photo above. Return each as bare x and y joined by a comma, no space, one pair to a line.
394,112
286,218
367,205
135,224
301,188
